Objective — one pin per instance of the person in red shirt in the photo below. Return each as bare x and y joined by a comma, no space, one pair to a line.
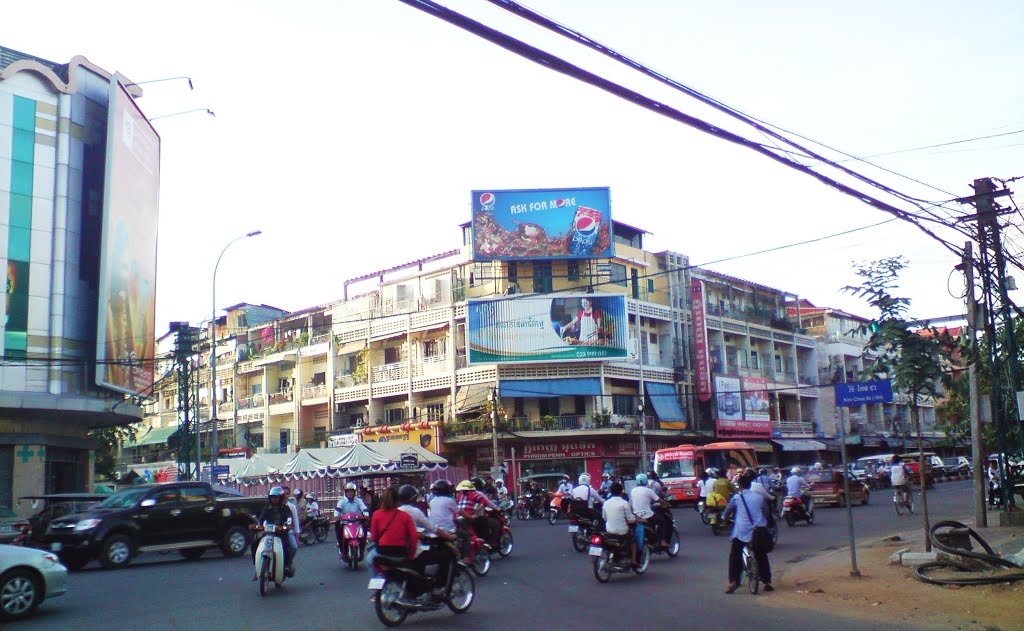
392,531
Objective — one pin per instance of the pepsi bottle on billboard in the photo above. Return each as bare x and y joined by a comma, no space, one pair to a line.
586,226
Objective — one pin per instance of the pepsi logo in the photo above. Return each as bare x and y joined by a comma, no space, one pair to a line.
586,225
487,201
559,203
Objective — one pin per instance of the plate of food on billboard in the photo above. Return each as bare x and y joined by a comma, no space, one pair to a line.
533,328
557,223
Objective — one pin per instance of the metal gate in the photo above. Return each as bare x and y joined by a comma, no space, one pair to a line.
7,476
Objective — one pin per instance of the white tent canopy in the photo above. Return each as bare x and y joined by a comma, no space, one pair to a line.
338,462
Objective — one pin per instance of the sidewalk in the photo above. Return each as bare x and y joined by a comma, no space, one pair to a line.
890,594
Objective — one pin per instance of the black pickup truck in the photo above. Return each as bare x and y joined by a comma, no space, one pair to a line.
188,517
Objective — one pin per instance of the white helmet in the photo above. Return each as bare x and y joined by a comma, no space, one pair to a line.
795,470
351,486
818,466
585,479
713,472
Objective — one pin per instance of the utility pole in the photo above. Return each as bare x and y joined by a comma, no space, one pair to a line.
185,347
846,490
495,469
980,514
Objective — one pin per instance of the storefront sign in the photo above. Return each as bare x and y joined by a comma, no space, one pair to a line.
700,342
569,449
426,435
755,399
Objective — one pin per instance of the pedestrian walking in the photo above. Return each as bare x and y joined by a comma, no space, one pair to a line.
750,514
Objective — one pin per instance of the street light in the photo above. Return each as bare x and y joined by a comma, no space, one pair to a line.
215,443
189,79
198,109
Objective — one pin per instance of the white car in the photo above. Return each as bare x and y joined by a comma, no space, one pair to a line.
27,578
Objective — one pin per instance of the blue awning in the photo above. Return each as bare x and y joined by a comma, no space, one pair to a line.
590,386
666,403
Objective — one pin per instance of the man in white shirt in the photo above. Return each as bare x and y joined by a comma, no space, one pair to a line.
586,492
443,508
618,516
642,498
796,486
899,475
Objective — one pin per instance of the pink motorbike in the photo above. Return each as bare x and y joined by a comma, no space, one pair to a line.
353,539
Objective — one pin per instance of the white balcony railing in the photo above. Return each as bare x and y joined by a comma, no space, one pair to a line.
390,372
314,392
248,403
433,365
282,396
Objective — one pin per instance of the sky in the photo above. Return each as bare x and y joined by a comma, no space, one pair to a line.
352,132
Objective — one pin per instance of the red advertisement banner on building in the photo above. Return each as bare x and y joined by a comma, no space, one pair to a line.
700,342
726,428
568,449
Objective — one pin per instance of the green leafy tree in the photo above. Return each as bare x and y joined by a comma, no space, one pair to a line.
109,439
915,362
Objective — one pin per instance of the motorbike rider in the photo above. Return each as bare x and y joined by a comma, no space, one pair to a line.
443,509
704,483
500,490
900,476
348,503
618,515
606,485
642,499
585,497
471,506
277,513
490,490
293,534
796,486
439,555
654,482
565,488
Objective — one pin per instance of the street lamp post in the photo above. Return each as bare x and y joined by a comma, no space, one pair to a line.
215,443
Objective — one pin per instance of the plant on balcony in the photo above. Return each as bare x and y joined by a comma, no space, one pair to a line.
548,422
359,369
304,338
602,419
915,363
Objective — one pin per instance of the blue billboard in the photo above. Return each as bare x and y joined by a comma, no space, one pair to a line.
554,223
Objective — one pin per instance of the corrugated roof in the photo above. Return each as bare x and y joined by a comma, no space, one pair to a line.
8,56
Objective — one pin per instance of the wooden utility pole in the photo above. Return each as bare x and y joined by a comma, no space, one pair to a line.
980,514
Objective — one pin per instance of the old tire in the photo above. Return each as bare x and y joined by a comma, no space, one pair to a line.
20,594
235,542
116,552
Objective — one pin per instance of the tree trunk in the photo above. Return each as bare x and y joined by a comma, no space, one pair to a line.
916,415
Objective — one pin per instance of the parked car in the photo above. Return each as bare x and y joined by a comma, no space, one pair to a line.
956,466
186,517
27,578
827,488
10,525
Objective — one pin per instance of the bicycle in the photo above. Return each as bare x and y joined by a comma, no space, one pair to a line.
902,498
751,569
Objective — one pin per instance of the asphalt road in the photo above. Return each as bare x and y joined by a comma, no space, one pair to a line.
543,584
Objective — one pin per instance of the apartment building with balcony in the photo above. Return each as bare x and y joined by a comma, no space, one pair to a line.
761,366
841,339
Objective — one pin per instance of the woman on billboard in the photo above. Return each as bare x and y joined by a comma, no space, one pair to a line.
586,323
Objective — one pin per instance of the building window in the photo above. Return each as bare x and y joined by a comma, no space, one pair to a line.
433,348
654,338
320,434
650,285
549,406
574,270
635,277
394,415
755,361
434,411
283,384
513,273
778,364
319,378
580,405
542,277
622,404
518,406
392,355
618,273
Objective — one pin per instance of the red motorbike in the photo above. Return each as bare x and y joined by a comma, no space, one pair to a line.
502,540
475,552
793,509
353,539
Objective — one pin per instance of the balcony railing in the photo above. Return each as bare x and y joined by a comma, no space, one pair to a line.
319,339
567,422
282,396
433,365
247,403
225,407
349,381
390,372
794,427
314,392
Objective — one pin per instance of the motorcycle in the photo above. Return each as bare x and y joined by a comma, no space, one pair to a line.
554,510
651,539
507,508
269,558
402,590
793,509
353,539
501,539
612,556
474,551
582,527
530,506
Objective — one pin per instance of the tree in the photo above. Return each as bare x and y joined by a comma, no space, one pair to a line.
109,439
916,363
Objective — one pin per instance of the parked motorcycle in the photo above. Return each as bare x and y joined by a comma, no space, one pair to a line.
530,506
401,589
269,559
353,539
793,510
612,556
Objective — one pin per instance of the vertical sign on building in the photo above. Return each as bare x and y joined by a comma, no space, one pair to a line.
125,348
700,339
19,227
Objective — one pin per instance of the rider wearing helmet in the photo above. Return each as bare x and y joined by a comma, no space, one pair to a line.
642,500
796,486
585,498
347,504
435,555
818,466
654,482
277,513
606,485
565,488
471,506
500,490
443,509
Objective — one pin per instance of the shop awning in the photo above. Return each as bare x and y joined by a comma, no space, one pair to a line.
665,401
760,446
152,436
472,397
799,444
590,386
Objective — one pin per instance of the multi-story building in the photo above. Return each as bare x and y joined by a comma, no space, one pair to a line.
841,339
53,147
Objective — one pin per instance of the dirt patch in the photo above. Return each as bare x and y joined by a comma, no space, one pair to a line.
889,593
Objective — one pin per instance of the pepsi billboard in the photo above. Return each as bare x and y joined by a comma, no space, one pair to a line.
554,223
